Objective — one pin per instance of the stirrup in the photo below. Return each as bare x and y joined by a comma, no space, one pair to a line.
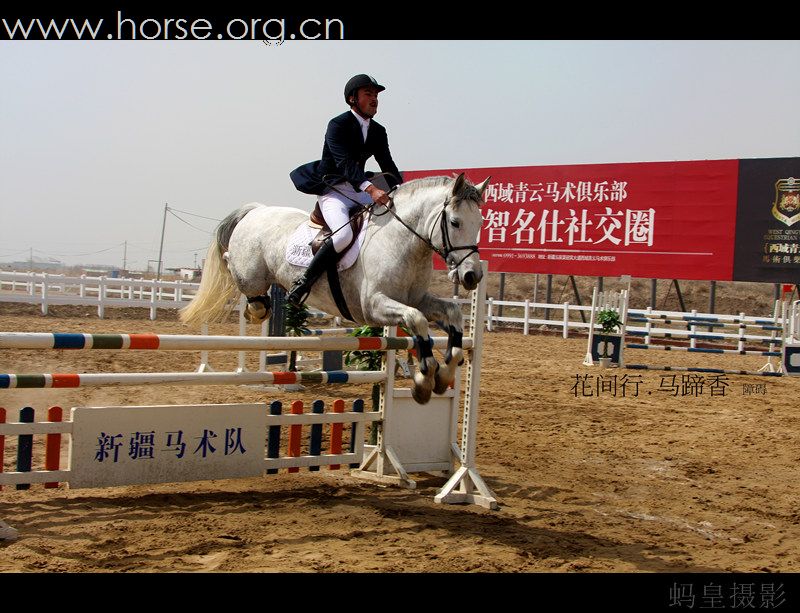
299,292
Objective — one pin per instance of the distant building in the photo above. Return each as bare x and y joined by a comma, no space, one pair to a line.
103,271
186,274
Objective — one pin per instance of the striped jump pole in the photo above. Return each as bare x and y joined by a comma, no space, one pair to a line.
180,342
775,354
681,335
765,324
766,341
690,334
706,370
68,380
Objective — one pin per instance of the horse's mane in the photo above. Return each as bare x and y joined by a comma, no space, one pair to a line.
469,192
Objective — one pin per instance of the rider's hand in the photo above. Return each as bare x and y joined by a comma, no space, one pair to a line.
377,195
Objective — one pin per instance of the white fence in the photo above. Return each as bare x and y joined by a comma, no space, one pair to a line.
560,318
49,289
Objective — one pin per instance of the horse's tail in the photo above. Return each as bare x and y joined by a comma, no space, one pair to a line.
217,291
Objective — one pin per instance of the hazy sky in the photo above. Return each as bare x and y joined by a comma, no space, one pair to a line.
95,137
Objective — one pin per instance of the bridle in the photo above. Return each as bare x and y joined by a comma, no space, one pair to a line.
447,245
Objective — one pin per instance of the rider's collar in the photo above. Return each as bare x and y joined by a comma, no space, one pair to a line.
364,123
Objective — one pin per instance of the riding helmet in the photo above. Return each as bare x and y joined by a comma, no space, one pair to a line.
360,80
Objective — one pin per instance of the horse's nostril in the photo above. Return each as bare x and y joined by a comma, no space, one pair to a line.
469,278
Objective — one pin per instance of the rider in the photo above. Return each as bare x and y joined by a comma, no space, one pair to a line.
339,178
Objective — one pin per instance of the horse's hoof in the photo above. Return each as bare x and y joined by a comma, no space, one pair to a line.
421,395
257,317
421,392
440,386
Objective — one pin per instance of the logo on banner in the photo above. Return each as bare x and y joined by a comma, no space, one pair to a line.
786,207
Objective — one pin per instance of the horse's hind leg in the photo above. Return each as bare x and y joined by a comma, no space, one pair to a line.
259,308
388,312
436,309
253,281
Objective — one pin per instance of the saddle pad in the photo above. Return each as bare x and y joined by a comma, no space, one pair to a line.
298,248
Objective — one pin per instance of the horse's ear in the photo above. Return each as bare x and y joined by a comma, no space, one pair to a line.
459,184
482,186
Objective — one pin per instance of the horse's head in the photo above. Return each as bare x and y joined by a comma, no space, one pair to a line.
461,222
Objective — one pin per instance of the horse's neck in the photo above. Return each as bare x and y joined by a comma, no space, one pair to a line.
420,212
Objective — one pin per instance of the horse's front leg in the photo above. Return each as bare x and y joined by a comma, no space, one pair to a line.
447,312
389,312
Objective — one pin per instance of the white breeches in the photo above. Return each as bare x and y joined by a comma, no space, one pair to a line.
335,207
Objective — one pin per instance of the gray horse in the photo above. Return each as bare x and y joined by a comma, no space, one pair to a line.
387,285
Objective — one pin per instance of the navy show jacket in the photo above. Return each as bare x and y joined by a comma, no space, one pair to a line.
344,155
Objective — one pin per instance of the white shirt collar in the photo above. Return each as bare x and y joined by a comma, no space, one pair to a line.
364,123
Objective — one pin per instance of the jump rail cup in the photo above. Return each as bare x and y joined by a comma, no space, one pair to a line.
403,425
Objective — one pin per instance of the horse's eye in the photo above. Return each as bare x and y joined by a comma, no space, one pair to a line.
455,223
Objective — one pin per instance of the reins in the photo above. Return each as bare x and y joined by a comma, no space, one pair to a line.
446,242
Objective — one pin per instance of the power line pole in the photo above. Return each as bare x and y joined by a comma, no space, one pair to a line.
161,249
125,256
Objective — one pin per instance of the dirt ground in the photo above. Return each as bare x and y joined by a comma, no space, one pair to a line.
590,478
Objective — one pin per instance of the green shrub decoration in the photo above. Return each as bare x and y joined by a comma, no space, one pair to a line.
610,322
296,320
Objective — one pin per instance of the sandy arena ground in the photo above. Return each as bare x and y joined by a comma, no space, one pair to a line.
662,481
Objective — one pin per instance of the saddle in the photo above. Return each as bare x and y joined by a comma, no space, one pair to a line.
316,220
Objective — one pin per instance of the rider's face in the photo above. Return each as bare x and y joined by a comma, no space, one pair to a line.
367,101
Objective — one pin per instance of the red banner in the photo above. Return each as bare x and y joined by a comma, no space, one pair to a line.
668,220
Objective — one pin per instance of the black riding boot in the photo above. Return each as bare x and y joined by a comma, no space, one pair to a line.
318,265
